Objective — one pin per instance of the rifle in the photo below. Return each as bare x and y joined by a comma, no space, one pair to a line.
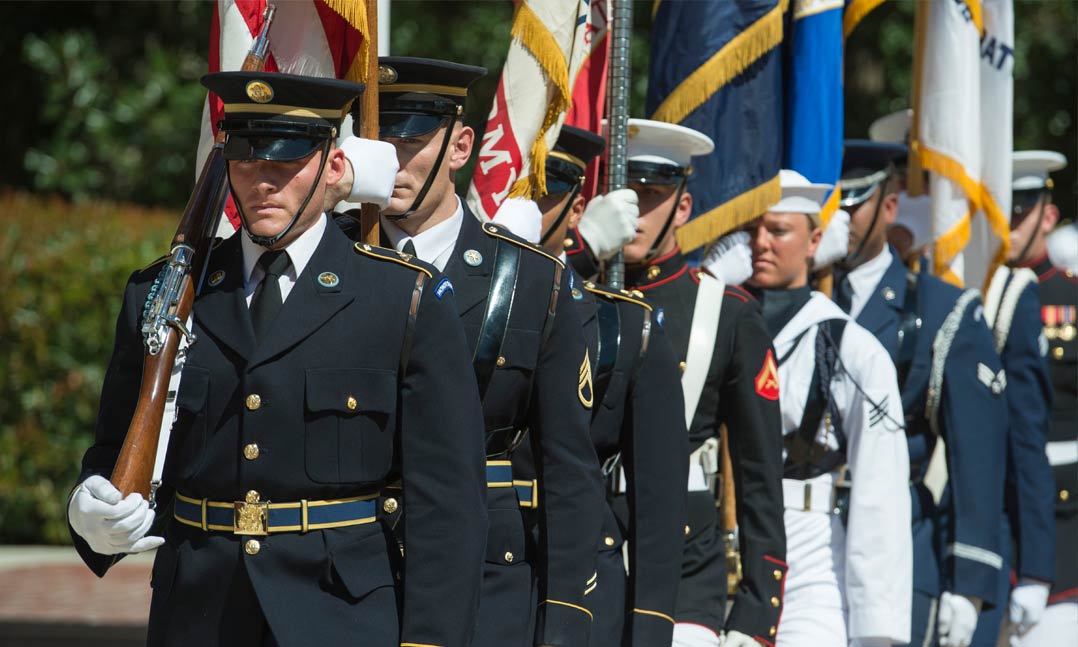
729,516
171,299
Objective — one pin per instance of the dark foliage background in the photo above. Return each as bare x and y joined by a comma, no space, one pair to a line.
102,107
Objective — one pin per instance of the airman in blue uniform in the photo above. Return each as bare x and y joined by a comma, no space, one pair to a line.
952,384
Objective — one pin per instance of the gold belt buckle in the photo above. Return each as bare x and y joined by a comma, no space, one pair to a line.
251,516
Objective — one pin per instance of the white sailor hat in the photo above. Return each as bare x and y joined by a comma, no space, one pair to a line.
893,128
660,152
800,196
1031,169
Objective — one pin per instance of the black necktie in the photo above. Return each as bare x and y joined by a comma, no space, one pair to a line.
409,248
267,301
844,294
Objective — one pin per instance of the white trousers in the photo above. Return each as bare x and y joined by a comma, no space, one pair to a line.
814,611
1058,627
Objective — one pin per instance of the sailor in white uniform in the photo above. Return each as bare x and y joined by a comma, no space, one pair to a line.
846,493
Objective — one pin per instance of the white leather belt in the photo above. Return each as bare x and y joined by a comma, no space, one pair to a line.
808,496
698,479
1062,452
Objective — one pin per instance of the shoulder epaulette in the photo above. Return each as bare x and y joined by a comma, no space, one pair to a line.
497,231
632,296
392,255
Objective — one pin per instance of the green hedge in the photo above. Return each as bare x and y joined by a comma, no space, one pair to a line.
62,272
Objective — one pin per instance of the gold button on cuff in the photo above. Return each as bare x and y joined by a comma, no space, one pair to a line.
252,547
775,602
351,403
772,631
609,541
390,506
778,574
501,362
1064,495
1057,352
508,557
253,401
250,451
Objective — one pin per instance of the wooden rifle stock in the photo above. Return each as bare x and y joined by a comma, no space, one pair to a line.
729,515
171,300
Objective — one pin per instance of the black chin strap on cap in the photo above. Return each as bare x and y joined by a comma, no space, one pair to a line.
430,177
669,221
1042,200
561,216
851,259
270,241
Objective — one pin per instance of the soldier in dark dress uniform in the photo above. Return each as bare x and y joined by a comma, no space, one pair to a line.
637,429
528,354
322,372
740,391
1034,217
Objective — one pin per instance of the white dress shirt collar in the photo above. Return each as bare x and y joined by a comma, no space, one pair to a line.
433,245
864,279
299,250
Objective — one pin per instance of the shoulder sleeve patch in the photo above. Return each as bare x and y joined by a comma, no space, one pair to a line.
767,380
634,296
496,231
393,256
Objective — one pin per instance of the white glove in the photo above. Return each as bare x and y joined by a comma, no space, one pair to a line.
730,259
737,639
374,167
687,634
522,217
1028,601
609,222
835,242
957,619
110,523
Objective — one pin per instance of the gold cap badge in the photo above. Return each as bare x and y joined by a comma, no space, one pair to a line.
386,75
259,92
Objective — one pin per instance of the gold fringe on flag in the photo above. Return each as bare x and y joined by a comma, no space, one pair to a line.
728,216
742,51
534,36
830,207
856,10
354,13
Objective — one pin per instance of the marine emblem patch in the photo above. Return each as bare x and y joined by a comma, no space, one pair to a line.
767,380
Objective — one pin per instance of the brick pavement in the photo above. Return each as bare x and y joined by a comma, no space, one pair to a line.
49,597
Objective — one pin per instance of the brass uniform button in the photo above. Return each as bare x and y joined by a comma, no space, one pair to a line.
654,271
609,541
500,362
567,243
686,530
778,574
1057,352
1064,495
508,557
390,505
250,451
772,631
253,402
351,403
1070,274
775,602
252,547
682,366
